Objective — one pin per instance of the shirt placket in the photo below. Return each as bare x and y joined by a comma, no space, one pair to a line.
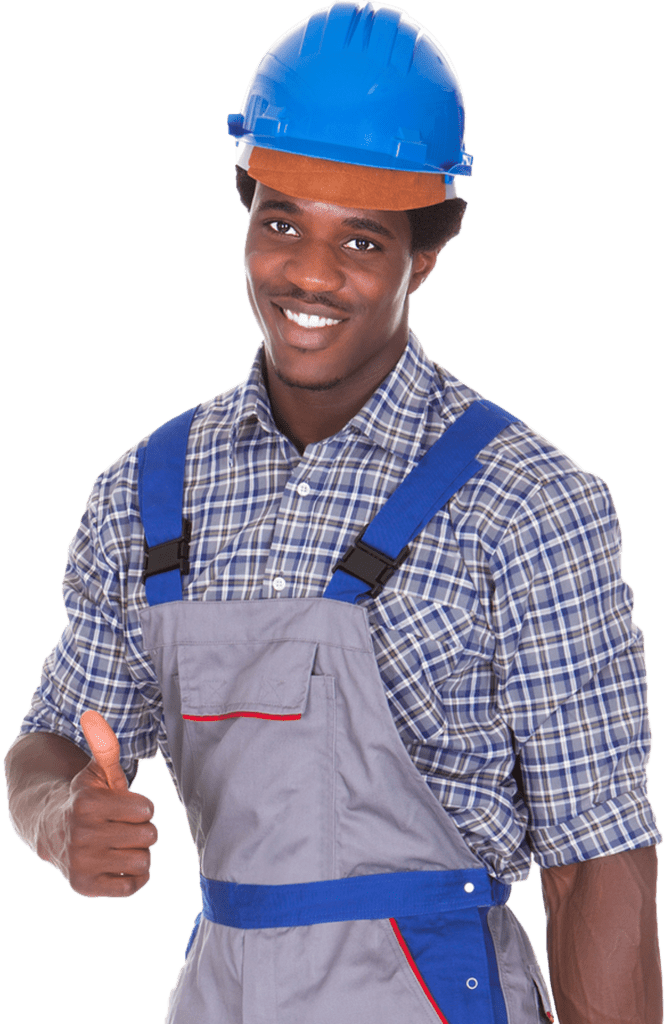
308,483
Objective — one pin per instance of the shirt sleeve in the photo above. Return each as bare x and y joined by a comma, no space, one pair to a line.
99,662
571,678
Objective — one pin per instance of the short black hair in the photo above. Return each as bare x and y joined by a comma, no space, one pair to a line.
431,226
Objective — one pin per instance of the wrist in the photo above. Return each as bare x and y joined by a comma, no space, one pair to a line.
49,840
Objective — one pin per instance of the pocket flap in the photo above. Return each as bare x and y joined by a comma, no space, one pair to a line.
412,615
226,680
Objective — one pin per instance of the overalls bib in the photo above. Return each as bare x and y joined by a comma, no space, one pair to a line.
336,888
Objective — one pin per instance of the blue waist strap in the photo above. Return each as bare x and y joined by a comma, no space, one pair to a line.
362,898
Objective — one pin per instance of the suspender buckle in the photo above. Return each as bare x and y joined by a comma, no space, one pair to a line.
173,554
370,565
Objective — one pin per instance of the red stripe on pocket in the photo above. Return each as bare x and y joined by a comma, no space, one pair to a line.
415,971
241,714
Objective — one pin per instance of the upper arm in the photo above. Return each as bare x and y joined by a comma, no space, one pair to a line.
99,662
571,680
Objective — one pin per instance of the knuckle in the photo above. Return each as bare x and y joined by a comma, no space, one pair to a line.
144,803
138,864
141,882
83,884
144,863
145,811
112,885
132,884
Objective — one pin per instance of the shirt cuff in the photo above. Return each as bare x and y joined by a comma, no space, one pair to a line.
625,822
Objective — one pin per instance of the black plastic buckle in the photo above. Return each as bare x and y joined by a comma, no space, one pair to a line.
173,554
370,565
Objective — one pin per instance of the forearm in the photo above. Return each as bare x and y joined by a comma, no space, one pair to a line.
40,767
602,939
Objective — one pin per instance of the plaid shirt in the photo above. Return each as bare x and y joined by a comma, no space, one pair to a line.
506,634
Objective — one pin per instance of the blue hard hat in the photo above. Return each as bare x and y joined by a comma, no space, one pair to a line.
358,85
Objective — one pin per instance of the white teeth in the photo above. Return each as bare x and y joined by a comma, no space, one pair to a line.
303,320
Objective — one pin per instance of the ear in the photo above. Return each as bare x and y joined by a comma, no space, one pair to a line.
423,263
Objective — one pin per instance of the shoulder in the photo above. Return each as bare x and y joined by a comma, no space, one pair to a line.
525,481
211,428
112,513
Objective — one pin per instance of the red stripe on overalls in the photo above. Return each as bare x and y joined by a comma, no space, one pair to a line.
241,714
415,971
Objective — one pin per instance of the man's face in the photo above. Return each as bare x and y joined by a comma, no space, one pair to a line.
329,286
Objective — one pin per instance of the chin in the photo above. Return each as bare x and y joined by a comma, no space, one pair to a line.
305,385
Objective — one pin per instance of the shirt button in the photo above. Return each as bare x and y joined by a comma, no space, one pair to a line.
279,583
469,887
303,489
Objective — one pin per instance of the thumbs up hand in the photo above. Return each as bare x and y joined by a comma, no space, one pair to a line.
106,829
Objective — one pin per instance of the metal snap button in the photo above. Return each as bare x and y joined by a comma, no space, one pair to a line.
469,887
472,983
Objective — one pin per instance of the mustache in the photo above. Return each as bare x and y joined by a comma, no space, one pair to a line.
311,299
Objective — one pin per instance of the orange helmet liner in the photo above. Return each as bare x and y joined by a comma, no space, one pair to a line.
364,188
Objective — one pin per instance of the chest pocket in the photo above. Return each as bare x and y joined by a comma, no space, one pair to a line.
424,622
432,658
245,680
432,597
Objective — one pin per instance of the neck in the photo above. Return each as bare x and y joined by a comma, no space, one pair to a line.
306,416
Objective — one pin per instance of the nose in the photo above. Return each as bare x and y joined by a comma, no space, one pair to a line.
314,266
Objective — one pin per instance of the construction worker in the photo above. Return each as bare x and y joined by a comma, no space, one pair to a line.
402,626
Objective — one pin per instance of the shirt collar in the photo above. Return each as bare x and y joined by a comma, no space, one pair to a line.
252,404
395,414
392,418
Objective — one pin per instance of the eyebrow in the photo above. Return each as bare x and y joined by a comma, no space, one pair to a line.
358,223
280,204
367,224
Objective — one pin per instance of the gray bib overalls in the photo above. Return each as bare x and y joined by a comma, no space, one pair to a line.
336,888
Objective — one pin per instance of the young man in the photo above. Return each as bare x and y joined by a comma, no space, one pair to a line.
495,657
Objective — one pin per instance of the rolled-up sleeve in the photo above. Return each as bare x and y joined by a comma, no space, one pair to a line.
570,671
99,662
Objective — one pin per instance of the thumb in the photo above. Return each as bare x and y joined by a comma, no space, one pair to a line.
105,748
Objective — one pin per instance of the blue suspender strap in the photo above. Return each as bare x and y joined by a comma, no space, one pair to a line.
445,467
161,473
448,465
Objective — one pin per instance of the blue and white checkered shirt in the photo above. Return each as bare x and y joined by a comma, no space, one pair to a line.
506,633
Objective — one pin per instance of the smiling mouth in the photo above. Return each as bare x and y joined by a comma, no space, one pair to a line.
306,320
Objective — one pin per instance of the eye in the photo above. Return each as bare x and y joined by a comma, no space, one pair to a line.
282,227
362,245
